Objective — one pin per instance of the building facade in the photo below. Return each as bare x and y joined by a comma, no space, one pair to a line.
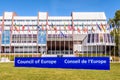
82,32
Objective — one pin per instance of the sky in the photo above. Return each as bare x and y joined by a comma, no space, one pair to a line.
59,7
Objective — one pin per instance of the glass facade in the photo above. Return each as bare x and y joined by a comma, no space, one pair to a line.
6,37
31,40
99,38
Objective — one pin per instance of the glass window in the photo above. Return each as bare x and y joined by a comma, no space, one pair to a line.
105,38
112,39
101,37
88,38
92,38
97,38
108,37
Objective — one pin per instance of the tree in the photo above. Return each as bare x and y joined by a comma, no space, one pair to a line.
116,32
116,36
116,19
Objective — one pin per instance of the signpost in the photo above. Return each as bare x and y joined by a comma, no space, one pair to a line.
96,63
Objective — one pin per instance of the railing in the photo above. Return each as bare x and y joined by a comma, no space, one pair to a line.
60,52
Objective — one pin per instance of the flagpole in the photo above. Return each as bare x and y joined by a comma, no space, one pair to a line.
0,43
41,33
114,42
117,28
64,41
69,34
5,43
14,41
51,39
24,38
103,47
19,40
29,37
102,41
99,45
55,29
0,40
78,35
105,40
37,37
59,41
23,41
32,39
82,45
77,39
96,39
28,42
109,45
40,44
92,40
80,32
10,43
105,43
61,45
87,40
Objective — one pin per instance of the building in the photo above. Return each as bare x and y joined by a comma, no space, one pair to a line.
82,32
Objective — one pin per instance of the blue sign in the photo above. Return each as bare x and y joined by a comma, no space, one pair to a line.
6,37
42,37
98,63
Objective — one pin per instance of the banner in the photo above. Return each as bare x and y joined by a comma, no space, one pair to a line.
6,37
42,37
98,63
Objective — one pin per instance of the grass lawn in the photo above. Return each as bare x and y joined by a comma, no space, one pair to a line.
9,72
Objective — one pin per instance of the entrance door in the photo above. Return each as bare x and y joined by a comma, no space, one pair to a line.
60,47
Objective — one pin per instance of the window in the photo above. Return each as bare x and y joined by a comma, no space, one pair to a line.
92,38
97,38
88,38
105,38
112,39
108,37
101,37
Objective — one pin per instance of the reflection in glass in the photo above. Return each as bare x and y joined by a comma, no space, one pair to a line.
92,38
88,38
108,38
105,38
101,37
